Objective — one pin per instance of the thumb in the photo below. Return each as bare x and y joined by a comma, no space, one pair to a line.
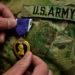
7,23
21,66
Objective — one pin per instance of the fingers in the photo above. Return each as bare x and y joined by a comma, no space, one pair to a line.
5,12
50,72
2,38
41,68
21,66
7,23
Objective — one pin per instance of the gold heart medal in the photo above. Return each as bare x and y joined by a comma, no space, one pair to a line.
21,46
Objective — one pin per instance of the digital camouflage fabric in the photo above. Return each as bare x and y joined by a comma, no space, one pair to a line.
51,39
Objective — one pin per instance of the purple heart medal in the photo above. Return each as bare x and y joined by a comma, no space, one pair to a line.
21,46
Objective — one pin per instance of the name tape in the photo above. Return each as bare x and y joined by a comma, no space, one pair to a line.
55,12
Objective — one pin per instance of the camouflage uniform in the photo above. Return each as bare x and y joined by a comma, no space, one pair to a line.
54,39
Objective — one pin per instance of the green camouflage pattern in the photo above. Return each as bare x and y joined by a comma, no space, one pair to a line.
54,12
52,40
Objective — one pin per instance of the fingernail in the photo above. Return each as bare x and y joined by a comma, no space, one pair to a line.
11,23
27,55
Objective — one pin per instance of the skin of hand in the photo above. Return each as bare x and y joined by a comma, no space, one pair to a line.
7,21
21,67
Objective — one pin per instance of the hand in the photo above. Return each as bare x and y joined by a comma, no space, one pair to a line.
21,67
7,21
